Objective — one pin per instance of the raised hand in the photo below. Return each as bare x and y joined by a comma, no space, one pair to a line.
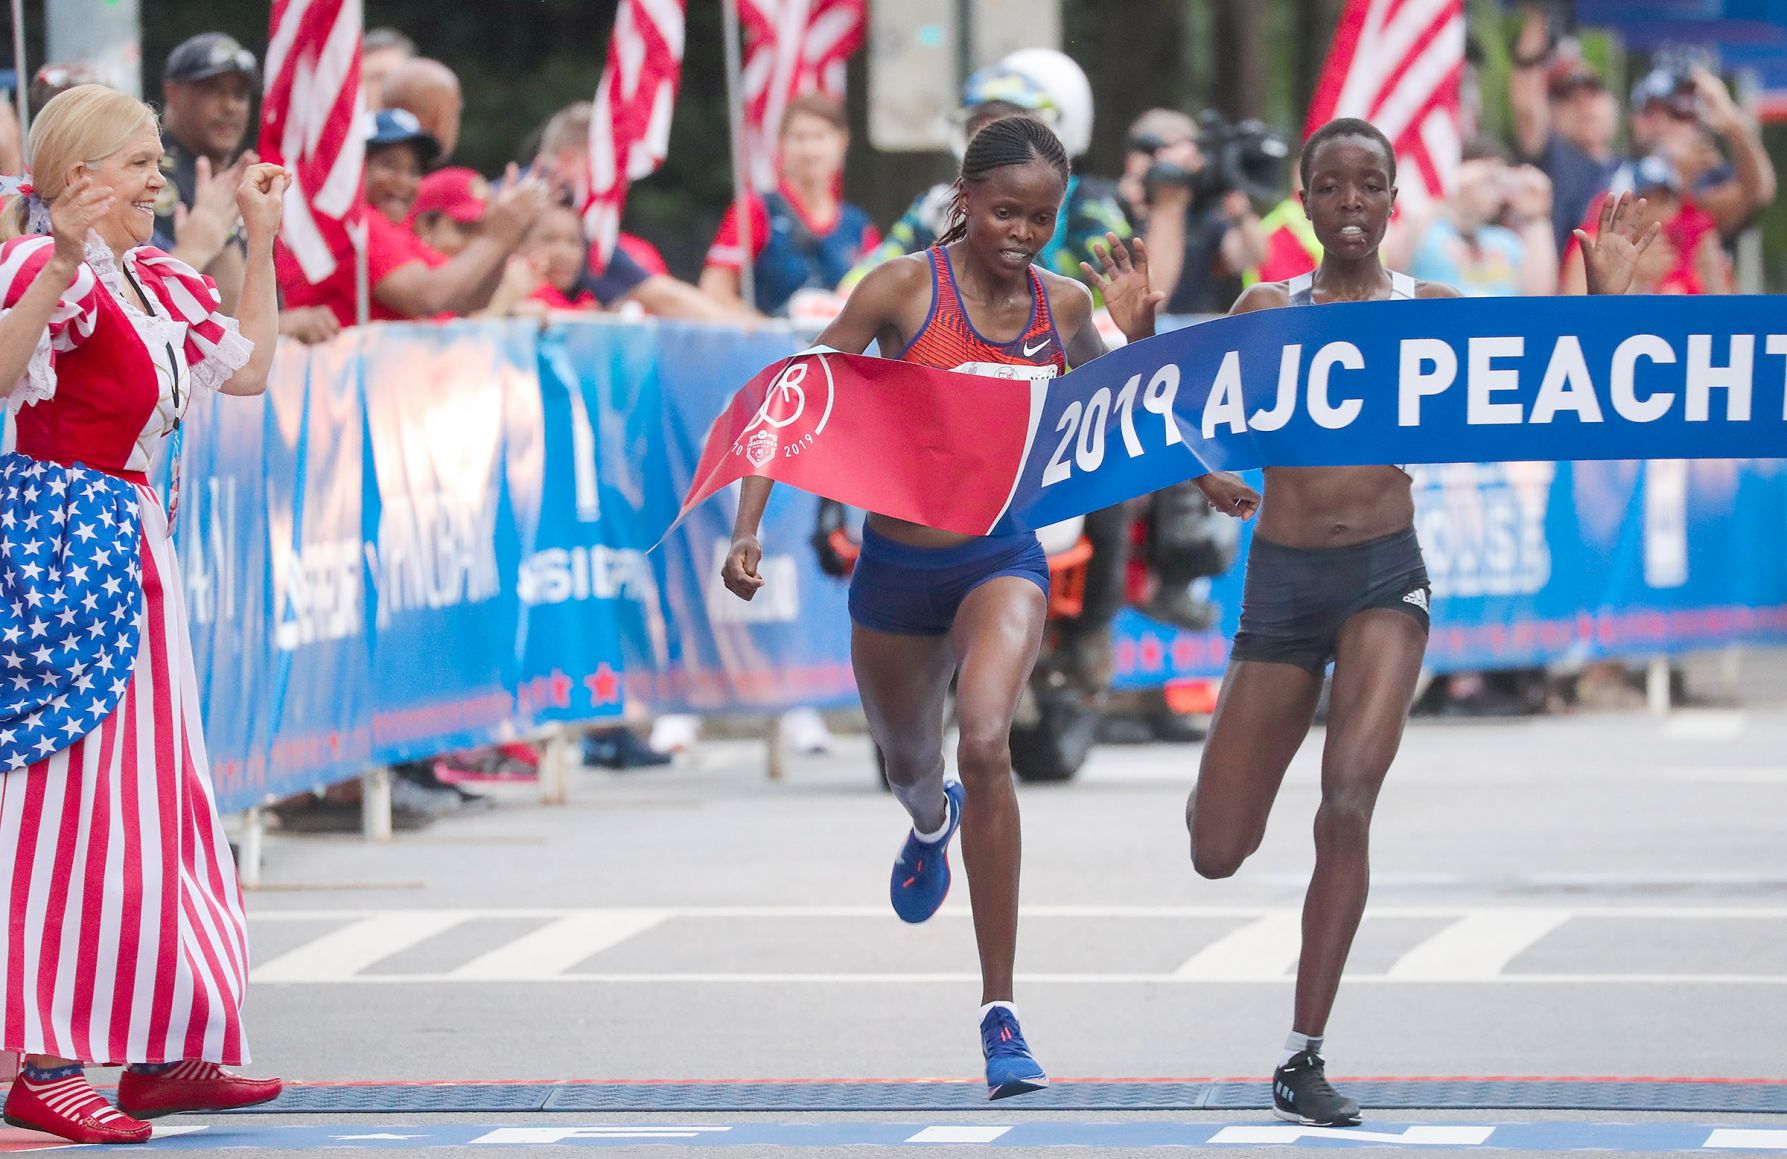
1610,256
1122,281
260,196
205,227
81,207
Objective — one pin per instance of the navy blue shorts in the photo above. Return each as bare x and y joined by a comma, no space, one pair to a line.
1295,600
915,591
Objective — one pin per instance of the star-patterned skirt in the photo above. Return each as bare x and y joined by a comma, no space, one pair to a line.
124,938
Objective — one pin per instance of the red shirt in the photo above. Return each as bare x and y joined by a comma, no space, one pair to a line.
389,247
579,298
1685,233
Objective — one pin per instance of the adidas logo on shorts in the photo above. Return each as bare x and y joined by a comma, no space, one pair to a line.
1418,597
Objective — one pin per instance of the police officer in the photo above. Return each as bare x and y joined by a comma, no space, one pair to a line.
208,92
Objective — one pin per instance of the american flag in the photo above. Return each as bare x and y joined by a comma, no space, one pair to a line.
792,47
629,128
310,121
70,599
1398,64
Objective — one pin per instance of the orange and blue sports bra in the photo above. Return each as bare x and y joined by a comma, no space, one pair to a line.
949,341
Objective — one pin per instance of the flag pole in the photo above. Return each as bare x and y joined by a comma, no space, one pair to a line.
21,83
741,180
357,233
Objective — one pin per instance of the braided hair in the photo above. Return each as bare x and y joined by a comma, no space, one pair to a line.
1013,140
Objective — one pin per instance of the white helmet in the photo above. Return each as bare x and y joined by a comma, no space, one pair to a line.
1042,81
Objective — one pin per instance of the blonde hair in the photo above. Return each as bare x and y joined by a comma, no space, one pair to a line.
85,124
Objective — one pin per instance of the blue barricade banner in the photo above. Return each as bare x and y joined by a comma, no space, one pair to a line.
429,537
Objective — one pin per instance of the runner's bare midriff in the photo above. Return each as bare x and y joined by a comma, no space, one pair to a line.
1334,506
915,534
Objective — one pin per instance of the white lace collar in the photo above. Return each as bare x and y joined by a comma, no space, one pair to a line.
157,327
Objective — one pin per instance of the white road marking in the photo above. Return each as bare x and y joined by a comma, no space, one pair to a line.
559,945
958,1134
512,1136
1419,1136
339,955
1477,946
680,978
1705,724
1259,951
1723,912
1735,1139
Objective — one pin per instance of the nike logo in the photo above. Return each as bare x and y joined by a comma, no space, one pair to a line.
1030,351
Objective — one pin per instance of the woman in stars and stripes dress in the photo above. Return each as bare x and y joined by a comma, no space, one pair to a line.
124,939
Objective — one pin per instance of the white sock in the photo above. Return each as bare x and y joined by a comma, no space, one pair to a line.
992,1006
1300,1042
934,837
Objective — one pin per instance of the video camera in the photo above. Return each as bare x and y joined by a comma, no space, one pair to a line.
1244,155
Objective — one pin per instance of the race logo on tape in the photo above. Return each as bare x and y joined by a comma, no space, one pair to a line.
792,416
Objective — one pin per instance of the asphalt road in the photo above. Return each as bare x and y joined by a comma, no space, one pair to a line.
1600,895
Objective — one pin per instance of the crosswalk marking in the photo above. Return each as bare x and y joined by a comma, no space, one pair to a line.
1477,945
1473,947
557,946
1260,950
1416,1136
338,956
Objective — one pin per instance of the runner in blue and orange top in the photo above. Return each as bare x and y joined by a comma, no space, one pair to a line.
928,605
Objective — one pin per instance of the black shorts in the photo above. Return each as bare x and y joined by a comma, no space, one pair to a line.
1296,599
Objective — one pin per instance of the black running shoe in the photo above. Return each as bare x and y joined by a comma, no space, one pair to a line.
1300,1093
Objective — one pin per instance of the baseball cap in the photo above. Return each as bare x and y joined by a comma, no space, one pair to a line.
207,55
1662,86
1655,172
458,192
1570,74
399,127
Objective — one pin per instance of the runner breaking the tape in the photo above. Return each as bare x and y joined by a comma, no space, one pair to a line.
929,605
1335,575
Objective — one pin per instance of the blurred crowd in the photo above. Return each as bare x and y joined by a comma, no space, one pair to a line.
1215,202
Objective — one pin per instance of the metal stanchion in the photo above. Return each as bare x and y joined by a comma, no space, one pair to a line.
556,754
1656,685
249,855
375,805
774,757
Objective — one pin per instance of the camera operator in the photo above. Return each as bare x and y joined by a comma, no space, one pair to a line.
1198,219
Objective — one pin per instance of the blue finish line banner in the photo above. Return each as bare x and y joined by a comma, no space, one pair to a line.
1431,381
431,537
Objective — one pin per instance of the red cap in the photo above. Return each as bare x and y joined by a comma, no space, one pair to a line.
457,192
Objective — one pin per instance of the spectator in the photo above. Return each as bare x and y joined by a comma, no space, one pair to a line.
207,93
554,248
430,90
1051,87
1291,245
57,77
381,50
1200,241
1686,257
448,212
803,234
12,141
1491,238
1683,115
407,278
564,159
1565,122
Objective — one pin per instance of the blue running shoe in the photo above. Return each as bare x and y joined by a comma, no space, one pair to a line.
1011,1069
921,875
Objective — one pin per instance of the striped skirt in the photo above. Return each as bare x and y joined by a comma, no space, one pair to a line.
124,938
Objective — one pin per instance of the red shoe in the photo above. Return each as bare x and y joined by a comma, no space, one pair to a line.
71,1109
192,1086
